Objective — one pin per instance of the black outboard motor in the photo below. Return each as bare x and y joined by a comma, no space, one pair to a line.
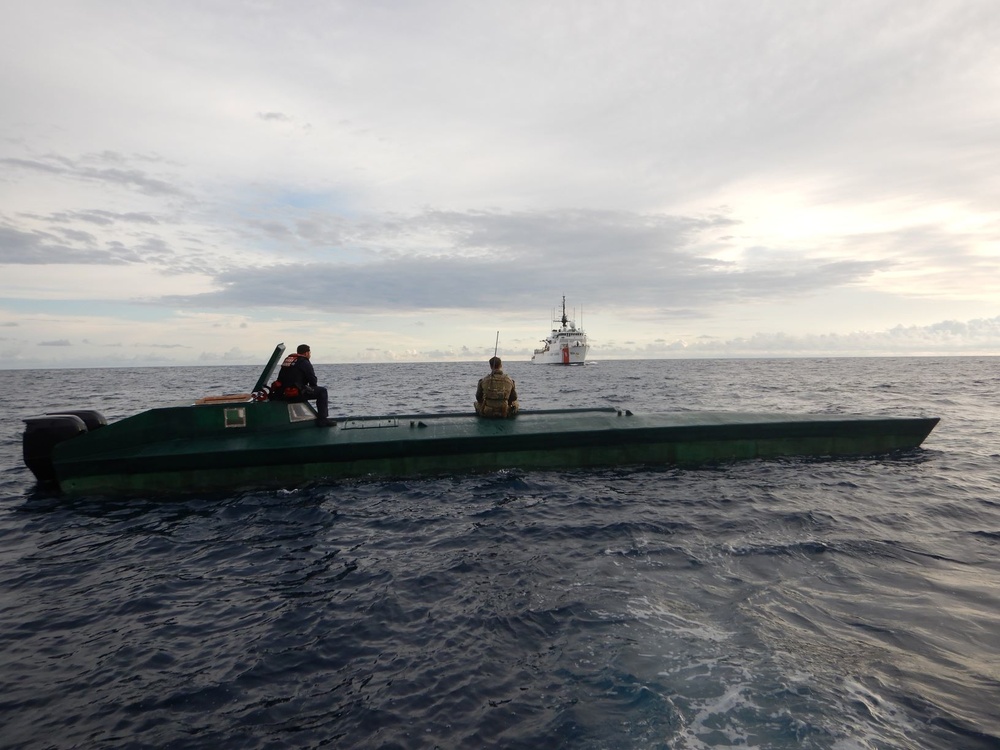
93,419
42,434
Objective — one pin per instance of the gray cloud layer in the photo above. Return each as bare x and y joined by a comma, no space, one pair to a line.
133,179
498,260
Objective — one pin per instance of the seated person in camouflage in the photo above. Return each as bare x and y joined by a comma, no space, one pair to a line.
496,395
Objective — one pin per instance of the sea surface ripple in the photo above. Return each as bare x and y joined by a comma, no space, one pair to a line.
848,604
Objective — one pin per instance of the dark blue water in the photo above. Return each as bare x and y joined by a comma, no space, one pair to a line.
772,604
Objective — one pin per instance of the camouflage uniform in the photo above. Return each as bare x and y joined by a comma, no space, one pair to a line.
496,396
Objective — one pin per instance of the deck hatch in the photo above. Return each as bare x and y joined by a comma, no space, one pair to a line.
300,412
236,417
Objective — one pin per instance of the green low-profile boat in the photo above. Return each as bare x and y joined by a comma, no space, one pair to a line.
245,440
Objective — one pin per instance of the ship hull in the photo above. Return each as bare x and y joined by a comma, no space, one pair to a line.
567,354
220,446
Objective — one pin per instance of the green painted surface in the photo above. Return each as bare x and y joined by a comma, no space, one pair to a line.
265,375
256,444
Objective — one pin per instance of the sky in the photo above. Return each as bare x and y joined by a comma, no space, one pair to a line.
193,181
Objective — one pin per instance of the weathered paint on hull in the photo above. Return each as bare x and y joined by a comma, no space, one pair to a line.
269,444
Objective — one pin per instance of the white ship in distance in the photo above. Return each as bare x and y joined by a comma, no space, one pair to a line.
566,345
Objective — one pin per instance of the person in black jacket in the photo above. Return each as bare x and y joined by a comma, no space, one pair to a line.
297,380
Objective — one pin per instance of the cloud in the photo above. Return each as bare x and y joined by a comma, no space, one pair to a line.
496,260
133,179
100,217
974,337
274,116
41,248
231,355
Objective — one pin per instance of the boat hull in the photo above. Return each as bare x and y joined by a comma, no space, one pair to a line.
272,444
563,355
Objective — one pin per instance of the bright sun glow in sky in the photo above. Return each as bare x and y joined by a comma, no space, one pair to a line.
192,182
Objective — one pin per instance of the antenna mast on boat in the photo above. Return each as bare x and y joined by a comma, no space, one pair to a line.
496,346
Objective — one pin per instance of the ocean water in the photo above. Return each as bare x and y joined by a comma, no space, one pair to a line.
766,604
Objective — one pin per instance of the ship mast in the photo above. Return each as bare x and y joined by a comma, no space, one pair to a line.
564,313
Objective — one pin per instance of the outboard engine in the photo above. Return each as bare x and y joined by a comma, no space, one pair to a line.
93,419
42,434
